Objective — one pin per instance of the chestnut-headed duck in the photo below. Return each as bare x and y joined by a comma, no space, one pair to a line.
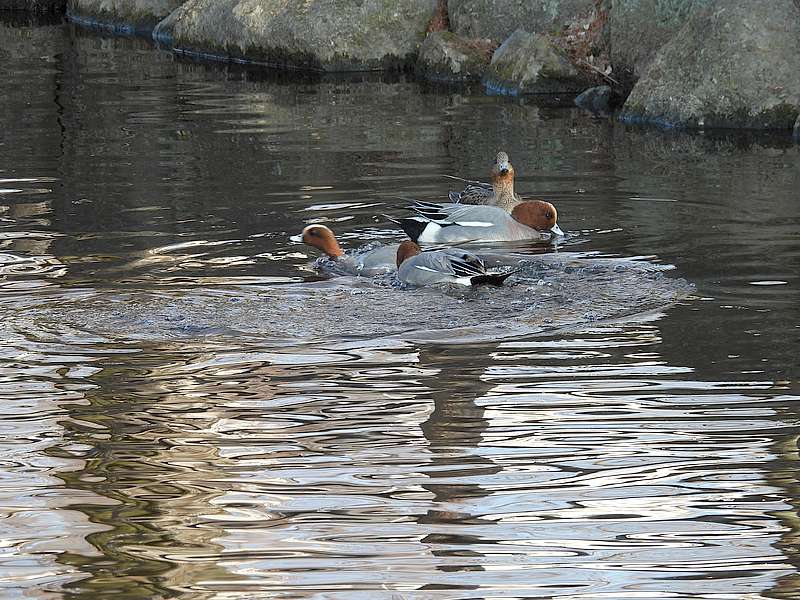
534,221
453,265
375,261
499,193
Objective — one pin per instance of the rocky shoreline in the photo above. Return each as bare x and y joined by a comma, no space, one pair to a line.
684,63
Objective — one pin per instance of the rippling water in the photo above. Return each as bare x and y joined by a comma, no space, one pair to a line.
190,410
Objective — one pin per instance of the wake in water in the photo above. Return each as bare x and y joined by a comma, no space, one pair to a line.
549,291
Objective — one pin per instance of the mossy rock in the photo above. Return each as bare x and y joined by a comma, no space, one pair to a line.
121,15
528,63
320,35
445,56
731,66
497,19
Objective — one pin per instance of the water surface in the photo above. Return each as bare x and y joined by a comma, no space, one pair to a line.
192,411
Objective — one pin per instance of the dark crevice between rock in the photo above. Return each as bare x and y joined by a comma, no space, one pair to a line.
34,6
23,18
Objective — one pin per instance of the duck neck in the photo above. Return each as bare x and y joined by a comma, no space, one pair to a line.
504,192
333,249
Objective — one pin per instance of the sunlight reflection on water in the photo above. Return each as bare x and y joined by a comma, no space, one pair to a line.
190,410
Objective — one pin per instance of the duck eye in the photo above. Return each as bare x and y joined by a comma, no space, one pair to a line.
548,215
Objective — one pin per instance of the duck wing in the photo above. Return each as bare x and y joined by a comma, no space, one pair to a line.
466,215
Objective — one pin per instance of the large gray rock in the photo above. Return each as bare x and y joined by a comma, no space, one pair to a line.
527,63
135,15
637,29
444,56
732,65
326,35
497,19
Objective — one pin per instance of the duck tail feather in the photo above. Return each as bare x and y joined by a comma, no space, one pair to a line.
492,278
412,227
463,268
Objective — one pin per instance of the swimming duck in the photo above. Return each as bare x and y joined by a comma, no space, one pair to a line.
458,223
499,193
453,265
371,262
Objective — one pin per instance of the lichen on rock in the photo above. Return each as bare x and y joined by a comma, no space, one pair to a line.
322,35
528,63
731,65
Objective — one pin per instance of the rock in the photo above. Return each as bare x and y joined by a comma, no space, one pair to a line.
637,29
315,34
600,100
528,63
444,56
37,6
121,15
797,130
497,19
732,65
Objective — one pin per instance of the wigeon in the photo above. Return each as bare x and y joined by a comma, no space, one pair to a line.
375,261
453,265
499,193
534,221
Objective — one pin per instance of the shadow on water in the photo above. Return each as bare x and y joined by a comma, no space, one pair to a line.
191,411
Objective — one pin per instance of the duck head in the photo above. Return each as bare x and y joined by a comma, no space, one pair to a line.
502,170
321,238
406,250
539,215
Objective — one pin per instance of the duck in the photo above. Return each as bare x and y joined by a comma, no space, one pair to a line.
371,262
533,220
500,192
451,265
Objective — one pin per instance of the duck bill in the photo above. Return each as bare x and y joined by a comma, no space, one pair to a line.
296,238
557,230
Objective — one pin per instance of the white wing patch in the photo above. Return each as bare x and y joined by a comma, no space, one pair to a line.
421,268
473,223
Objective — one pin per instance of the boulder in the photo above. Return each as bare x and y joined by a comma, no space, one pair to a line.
444,56
497,19
732,65
121,15
36,6
637,29
797,130
600,100
320,35
527,63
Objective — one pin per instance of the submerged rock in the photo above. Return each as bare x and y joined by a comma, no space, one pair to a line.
497,19
637,29
316,34
127,15
527,63
600,100
444,56
732,65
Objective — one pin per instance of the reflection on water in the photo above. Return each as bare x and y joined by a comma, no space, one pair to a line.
183,419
